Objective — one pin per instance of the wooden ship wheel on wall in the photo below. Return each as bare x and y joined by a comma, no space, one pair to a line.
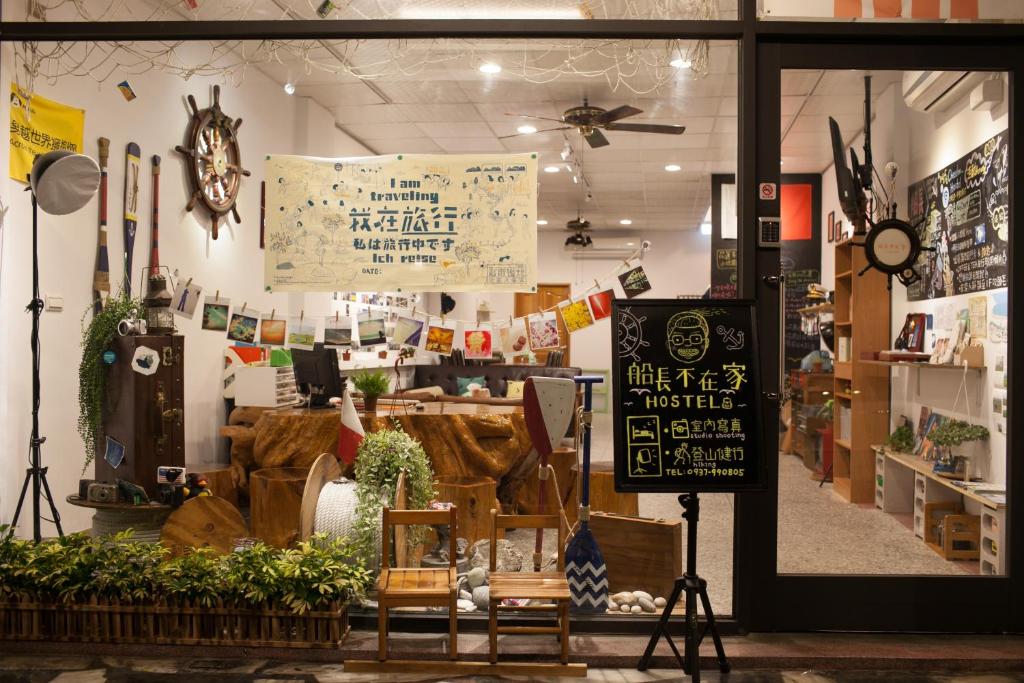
213,160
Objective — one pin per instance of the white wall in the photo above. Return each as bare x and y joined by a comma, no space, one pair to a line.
922,143
678,263
156,120
935,141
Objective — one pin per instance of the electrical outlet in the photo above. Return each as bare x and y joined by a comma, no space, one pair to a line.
55,304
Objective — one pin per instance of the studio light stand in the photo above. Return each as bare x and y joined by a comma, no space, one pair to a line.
693,587
36,473
64,182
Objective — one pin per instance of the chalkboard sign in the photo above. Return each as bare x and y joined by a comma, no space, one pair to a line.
687,396
963,213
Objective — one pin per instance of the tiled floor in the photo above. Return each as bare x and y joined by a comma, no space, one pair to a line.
124,670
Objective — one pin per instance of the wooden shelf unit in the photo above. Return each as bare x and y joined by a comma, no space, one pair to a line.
809,391
862,305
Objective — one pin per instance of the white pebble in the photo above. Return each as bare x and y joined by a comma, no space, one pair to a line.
612,606
624,598
660,602
643,595
646,605
636,609
624,608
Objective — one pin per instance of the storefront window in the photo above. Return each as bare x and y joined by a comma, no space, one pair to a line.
290,10
893,10
628,137
893,451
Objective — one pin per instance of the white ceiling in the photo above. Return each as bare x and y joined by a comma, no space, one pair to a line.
430,97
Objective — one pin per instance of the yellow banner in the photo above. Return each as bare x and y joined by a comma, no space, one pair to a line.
38,126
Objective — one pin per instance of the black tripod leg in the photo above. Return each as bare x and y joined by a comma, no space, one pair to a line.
21,499
692,645
662,627
723,663
53,506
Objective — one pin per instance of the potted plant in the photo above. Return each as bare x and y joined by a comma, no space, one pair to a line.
901,440
371,385
381,458
949,435
92,370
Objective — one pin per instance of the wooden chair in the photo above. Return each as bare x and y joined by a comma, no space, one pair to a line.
401,587
533,585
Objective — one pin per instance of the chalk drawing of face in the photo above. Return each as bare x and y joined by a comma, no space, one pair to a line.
687,336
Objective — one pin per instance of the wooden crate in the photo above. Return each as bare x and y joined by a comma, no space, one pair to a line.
945,524
641,553
170,623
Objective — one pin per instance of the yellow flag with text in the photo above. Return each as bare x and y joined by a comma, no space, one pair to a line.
38,126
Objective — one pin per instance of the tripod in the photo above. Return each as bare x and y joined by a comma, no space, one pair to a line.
693,586
36,473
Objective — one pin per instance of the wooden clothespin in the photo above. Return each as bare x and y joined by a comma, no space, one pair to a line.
272,312
244,303
302,314
188,283
336,316
216,297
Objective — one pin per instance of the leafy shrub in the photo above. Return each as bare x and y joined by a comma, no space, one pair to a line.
901,440
77,567
371,384
956,432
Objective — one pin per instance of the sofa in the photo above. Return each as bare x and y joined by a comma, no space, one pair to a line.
496,377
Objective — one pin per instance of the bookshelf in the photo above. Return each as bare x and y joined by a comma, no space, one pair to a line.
861,390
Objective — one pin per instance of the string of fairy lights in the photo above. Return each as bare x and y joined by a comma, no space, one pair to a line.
636,66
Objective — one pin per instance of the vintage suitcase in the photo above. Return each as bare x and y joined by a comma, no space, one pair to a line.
145,409
641,553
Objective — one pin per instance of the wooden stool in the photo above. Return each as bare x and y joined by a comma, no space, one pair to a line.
276,498
219,478
474,497
203,522
563,460
603,496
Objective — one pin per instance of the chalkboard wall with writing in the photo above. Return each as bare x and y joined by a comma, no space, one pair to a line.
963,212
687,402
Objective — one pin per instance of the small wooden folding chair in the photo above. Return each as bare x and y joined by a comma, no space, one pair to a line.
532,585
401,587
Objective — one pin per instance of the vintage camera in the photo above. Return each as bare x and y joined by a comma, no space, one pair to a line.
169,474
130,326
102,492
171,494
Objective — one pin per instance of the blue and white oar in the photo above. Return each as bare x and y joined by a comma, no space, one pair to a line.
584,564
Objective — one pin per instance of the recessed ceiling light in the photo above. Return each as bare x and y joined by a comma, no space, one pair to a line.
672,168
625,221
781,162
681,63
542,222
630,244
705,228
490,68
526,130
551,169
289,88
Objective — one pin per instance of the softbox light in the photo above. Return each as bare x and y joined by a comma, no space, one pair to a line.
63,182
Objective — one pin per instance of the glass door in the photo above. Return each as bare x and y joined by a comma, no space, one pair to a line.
892,502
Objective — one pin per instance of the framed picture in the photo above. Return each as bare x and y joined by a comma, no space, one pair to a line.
831,227
840,231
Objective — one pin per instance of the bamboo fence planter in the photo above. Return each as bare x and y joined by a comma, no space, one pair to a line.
172,623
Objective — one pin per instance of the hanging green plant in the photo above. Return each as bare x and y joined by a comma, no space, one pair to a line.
92,371
382,456
956,432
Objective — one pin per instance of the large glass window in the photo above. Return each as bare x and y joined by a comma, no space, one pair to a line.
893,445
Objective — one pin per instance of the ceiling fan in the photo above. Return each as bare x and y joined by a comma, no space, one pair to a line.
589,120
579,239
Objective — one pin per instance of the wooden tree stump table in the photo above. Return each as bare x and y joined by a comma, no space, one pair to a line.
473,497
275,496
203,522
221,479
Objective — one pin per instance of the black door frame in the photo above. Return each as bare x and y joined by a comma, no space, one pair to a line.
877,603
762,600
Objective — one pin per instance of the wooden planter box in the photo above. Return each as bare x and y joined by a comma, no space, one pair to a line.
172,623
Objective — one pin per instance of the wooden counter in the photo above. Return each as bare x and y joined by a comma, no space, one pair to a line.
461,439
